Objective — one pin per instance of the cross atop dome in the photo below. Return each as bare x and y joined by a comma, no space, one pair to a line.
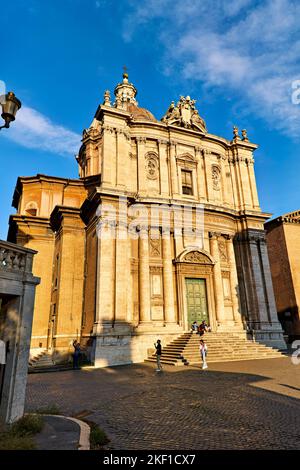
125,92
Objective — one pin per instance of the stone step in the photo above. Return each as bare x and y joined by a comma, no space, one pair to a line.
221,347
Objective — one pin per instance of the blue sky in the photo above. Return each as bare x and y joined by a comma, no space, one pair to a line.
237,59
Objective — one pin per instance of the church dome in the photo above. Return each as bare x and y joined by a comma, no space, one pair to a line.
140,114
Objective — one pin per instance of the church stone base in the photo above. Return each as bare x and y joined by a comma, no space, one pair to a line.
132,348
269,334
270,338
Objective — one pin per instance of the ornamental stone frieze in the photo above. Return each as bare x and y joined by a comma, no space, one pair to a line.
196,257
222,251
155,247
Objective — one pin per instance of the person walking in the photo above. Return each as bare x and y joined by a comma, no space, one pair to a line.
203,353
76,354
158,355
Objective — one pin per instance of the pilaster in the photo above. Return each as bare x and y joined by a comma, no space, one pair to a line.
144,275
217,276
169,307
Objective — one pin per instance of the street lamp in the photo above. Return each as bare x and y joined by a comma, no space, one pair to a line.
10,106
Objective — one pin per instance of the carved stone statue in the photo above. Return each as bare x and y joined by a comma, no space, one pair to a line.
184,114
244,135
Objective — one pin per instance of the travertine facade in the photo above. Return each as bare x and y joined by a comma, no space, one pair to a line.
124,292
283,240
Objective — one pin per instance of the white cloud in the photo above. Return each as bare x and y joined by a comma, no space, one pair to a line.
248,47
34,130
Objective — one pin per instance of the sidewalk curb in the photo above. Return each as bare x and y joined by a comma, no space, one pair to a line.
85,430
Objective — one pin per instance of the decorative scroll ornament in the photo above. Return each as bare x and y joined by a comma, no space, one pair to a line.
222,251
196,257
185,114
216,177
152,166
154,247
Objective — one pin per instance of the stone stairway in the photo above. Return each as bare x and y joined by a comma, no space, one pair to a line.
42,359
222,347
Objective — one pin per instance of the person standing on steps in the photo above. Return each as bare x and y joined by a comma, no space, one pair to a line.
203,353
158,355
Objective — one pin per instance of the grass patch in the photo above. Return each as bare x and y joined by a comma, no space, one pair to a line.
27,426
98,438
19,435
49,410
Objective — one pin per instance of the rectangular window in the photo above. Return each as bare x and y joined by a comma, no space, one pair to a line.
186,178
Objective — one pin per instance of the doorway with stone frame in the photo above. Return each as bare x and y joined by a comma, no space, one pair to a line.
194,276
196,299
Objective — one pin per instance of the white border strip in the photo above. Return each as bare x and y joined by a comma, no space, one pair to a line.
85,430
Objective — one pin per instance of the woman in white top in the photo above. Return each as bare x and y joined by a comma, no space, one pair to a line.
203,353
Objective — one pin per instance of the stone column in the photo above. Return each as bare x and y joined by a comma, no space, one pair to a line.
105,298
206,154
142,183
253,183
234,285
200,175
122,159
169,308
121,274
217,275
144,275
108,155
225,192
174,175
164,171
272,309
130,316
262,314
236,179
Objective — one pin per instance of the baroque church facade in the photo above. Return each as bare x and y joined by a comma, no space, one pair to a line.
118,294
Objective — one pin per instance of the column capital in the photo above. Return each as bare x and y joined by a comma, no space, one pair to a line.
143,229
141,139
228,236
162,142
214,235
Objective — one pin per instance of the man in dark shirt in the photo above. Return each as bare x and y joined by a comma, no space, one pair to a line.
158,354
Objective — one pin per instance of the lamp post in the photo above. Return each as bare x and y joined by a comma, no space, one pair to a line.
10,106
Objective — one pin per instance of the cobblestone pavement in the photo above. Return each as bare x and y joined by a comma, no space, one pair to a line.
236,405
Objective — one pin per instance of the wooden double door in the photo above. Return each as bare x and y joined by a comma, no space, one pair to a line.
196,298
